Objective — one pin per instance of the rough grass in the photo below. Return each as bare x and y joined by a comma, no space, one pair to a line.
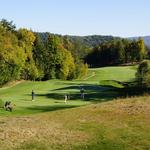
119,124
50,94
102,121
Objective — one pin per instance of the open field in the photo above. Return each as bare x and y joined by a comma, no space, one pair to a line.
125,73
101,121
117,125
50,94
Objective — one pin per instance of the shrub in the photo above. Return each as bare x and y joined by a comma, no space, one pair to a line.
143,74
1,103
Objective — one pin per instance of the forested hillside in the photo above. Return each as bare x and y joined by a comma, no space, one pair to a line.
146,39
25,55
29,55
118,51
90,41
99,51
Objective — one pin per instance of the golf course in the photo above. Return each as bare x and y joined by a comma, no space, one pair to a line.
74,75
102,120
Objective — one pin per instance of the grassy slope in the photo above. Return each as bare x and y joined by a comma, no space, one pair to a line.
113,73
49,96
115,125
118,124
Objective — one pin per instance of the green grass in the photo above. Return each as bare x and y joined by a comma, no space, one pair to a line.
50,94
113,73
49,97
115,125
102,121
111,76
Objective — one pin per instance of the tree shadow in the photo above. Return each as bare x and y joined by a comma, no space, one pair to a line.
112,89
71,87
92,93
128,89
115,82
81,85
50,108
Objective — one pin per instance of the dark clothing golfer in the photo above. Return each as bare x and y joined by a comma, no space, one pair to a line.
82,93
33,95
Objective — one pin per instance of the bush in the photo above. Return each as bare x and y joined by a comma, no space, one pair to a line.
1,103
143,74
82,70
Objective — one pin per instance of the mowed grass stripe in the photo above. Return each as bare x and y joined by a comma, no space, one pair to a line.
50,94
109,124
113,73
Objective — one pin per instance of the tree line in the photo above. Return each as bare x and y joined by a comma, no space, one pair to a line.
117,51
25,55
42,56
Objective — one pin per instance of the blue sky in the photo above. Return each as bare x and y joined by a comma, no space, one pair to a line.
123,18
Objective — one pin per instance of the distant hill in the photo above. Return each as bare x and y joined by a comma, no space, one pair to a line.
91,40
146,39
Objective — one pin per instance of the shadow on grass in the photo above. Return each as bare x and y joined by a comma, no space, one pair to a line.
92,93
126,89
49,108
78,86
107,90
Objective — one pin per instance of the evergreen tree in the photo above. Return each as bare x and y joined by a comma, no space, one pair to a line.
8,25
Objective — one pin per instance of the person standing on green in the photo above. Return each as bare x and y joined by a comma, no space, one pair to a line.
33,95
82,93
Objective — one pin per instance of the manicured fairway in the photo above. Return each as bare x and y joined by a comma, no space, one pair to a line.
102,121
124,73
50,94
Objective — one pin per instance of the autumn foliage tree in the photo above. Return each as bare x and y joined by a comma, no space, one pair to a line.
26,40
12,56
117,52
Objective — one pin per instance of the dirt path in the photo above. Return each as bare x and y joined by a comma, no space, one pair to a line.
93,74
11,84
